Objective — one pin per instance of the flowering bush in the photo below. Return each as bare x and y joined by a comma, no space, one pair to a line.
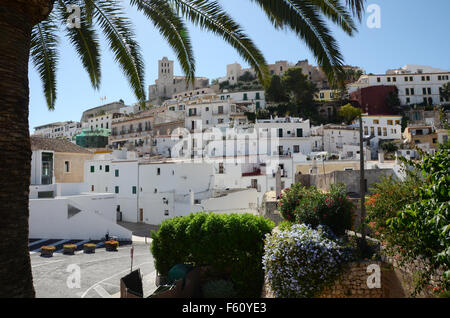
311,206
301,261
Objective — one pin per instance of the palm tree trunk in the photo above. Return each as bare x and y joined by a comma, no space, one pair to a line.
16,21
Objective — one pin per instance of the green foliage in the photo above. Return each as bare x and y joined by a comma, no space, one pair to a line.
247,77
389,147
218,289
313,207
445,91
411,217
392,99
298,88
231,244
276,92
427,220
349,113
390,196
300,261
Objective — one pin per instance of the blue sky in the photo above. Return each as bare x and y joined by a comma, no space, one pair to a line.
412,32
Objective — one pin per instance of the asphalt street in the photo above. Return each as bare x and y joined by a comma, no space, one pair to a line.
91,275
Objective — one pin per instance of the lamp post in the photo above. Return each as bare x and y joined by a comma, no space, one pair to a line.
362,187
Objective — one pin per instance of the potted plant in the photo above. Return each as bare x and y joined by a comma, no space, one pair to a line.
69,249
47,251
89,248
111,246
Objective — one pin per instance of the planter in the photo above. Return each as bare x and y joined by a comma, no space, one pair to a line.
69,249
89,248
111,246
47,251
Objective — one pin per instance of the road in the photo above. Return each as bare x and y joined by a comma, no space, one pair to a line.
91,275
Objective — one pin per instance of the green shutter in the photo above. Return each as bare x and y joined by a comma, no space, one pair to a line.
117,189
134,190
92,168
117,172
106,168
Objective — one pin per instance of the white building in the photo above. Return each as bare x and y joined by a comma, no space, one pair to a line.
293,135
416,84
65,130
256,97
69,211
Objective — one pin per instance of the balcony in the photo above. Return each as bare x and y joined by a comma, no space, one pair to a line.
255,173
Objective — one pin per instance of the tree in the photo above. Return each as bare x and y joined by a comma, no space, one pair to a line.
298,87
275,92
30,28
247,77
349,113
445,91
392,99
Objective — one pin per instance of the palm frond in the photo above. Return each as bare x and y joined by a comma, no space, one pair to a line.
338,13
85,40
208,15
121,39
357,7
304,18
44,55
172,27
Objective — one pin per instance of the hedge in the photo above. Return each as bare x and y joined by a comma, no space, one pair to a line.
230,243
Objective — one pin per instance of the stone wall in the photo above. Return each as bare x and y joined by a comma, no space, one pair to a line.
353,283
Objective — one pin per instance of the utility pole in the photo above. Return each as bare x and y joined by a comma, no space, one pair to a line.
362,187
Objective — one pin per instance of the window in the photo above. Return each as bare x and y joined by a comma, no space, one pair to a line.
428,78
394,79
424,90
372,131
411,79
245,96
376,122
101,167
158,171
299,132
390,122
117,172
406,78
220,168
366,130
407,91
134,190
257,96
385,131
397,122
92,188
388,79
207,109
412,91
280,132
92,169
107,168
166,212
378,79
379,131
220,110
429,90
66,166
296,148
116,190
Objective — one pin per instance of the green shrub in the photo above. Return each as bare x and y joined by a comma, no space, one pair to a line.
232,244
218,289
313,207
301,262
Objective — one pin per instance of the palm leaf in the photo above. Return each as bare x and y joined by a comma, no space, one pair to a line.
121,39
44,55
208,15
303,17
85,40
174,31
337,13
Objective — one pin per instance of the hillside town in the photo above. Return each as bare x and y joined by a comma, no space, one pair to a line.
228,146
